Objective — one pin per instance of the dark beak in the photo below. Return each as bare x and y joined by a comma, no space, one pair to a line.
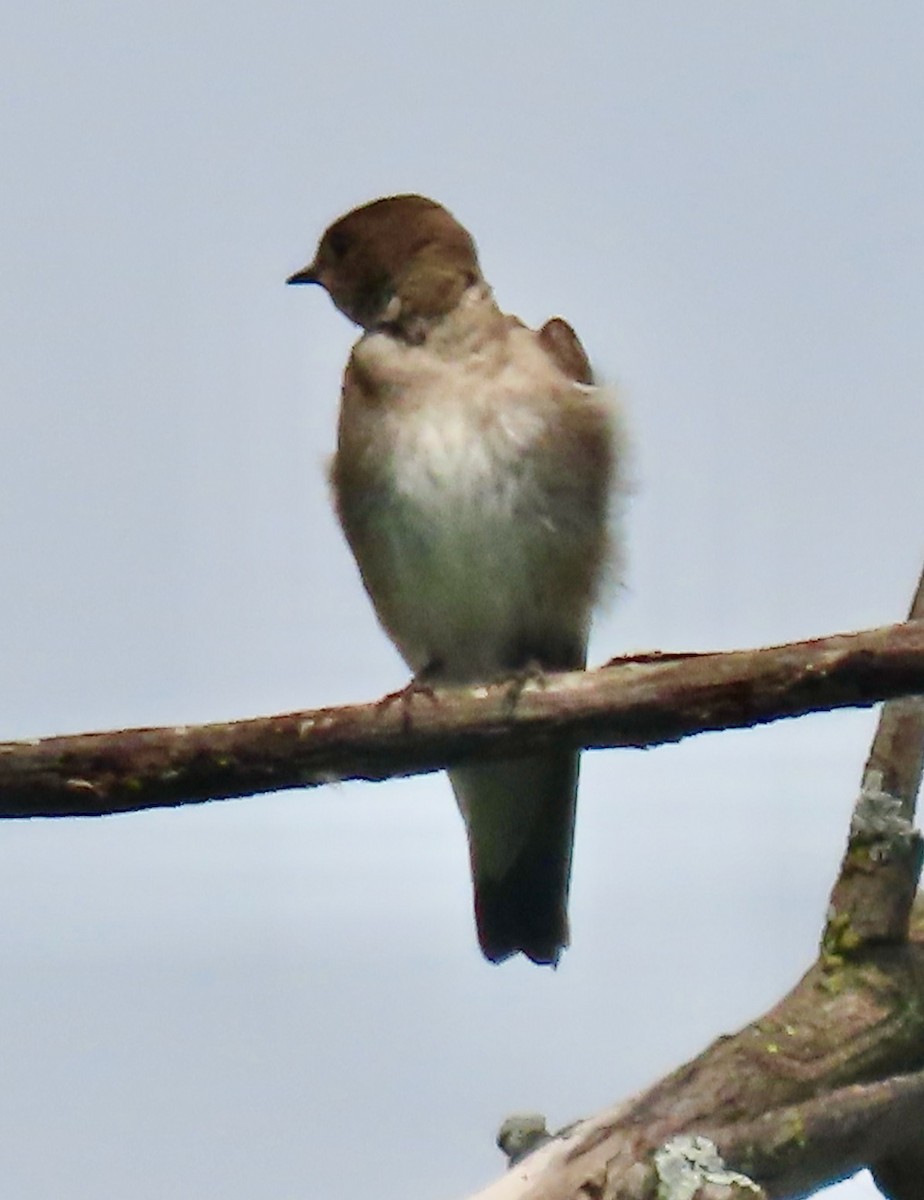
305,275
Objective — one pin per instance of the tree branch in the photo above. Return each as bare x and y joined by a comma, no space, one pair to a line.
642,702
832,1078
827,1082
872,898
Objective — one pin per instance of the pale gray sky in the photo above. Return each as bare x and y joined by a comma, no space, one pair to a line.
282,997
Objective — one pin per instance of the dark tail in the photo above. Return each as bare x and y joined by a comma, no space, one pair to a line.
520,818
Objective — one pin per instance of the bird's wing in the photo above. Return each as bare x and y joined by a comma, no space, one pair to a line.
564,347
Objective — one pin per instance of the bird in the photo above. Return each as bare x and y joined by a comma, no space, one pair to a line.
475,479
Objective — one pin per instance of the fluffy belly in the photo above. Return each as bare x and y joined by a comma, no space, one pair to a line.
475,502
467,583
469,542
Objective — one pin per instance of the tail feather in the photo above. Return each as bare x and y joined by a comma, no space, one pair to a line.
520,818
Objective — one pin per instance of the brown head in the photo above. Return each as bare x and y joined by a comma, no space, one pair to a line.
399,263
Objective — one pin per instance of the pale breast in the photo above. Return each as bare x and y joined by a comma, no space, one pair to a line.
476,526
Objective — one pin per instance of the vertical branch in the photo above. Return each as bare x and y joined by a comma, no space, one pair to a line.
871,900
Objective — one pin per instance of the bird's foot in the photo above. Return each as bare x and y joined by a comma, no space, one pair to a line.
417,686
532,672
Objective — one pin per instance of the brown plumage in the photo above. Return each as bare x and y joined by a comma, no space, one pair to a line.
474,471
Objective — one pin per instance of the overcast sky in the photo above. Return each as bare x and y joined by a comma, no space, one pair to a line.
282,997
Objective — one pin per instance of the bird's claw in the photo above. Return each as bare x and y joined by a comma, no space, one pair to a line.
532,672
417,686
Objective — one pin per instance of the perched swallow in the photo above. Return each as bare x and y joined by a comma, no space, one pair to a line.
474,475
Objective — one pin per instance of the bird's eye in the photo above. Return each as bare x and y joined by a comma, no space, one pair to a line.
338,243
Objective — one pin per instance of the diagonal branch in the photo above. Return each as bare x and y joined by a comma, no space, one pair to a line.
636,703
827,1082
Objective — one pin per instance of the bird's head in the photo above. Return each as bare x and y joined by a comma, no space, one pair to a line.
400,262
